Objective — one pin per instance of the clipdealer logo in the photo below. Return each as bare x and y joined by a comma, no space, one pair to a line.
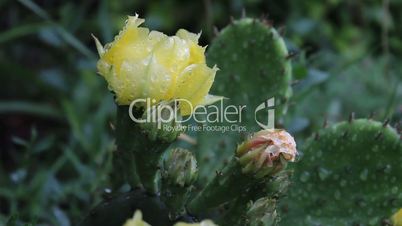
206,117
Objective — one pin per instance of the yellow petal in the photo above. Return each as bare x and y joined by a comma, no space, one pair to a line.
186,35
397,218
131,43
197,55
136,220
193,85
173,53
210,99
131,82
158,80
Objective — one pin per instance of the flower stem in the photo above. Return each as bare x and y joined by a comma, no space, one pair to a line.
137,156
225,186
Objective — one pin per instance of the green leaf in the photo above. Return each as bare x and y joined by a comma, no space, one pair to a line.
36,109
66,35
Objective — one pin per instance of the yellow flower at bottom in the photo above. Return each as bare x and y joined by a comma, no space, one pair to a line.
141,64
397,218
202,223
136,220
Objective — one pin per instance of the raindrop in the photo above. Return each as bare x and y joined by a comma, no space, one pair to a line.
387,168
364,174
343,183
323,173
237,78
305,176
373,221
337,195
394,190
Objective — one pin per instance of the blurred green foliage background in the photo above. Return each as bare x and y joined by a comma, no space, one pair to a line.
56,114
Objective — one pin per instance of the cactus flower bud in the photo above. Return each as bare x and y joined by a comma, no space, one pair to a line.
141,64
397,218
136,220
262,213
266,152
179,167
179,171
202,223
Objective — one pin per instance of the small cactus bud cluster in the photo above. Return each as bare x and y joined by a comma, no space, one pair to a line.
179,167
262,213
179,170
265,154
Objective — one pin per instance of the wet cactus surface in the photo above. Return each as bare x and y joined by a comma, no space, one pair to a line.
349,174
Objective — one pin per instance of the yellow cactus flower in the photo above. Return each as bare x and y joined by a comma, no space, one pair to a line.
136,220
202,223
397,218
141,64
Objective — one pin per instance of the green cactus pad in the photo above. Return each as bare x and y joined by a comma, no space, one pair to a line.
350,174
254,67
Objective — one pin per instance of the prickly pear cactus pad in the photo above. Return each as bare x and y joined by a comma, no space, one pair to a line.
251,52
350,174
254,67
